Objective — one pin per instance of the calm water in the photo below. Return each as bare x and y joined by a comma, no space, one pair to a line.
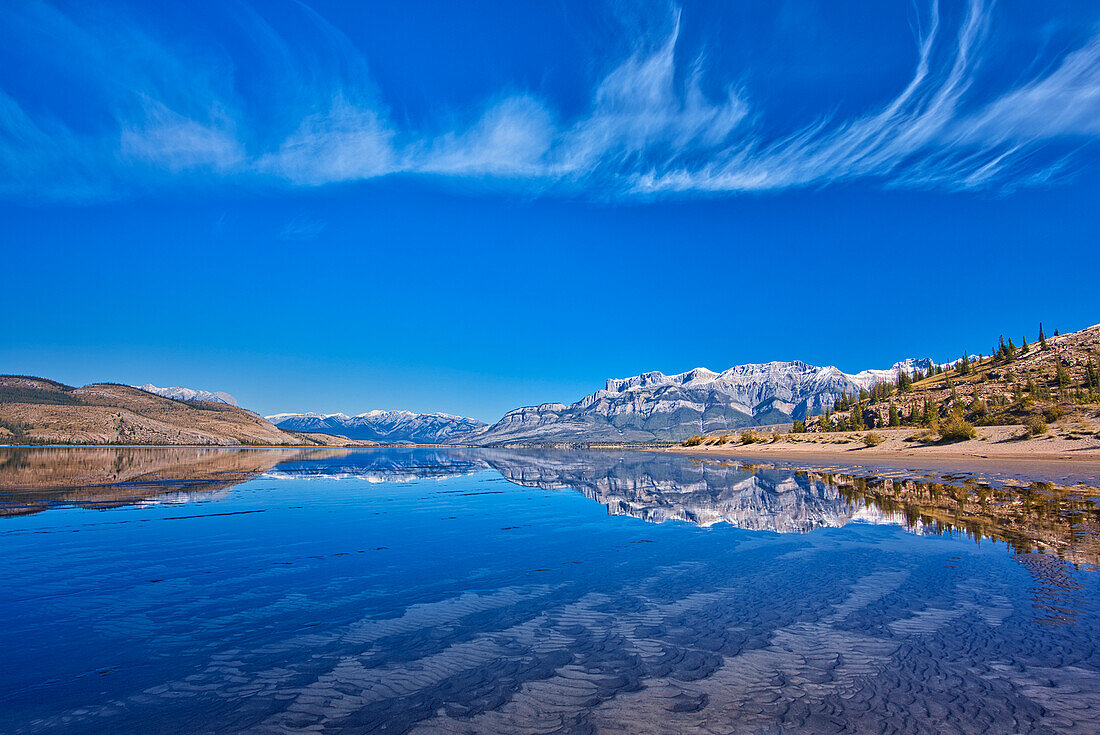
506,591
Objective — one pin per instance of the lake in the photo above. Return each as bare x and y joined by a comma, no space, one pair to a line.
498,591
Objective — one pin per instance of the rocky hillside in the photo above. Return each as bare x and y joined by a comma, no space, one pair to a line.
1053,382
657,407
41,411
389,427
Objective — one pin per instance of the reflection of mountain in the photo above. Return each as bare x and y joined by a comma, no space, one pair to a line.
34,479
658,487
652,486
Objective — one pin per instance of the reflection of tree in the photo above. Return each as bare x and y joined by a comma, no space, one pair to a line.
1039,516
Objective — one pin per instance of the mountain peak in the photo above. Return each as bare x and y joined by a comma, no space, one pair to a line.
382,426
181,393
653,406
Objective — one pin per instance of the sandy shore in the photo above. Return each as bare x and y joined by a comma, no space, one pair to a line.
1056,455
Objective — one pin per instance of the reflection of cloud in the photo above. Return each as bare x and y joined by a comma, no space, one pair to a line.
649,127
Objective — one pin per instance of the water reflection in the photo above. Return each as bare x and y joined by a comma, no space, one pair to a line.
654,487
314,599
35,479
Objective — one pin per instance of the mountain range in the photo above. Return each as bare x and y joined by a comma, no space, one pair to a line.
180,393
644,408
383,426
658,407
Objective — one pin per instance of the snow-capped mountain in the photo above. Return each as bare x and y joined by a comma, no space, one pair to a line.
189,394
383,426
658,407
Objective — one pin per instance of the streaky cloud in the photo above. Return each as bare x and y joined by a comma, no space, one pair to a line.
649,128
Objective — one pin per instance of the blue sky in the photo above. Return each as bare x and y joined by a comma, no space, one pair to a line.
468,207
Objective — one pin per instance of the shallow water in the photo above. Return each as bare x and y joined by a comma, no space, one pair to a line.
490,591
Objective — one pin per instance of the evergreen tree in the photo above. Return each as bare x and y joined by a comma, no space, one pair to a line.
895,419
1042,337
964,365
1091,375
1023,347
1061,375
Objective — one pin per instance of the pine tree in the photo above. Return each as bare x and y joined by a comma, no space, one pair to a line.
1061,375
1023,347
1091,375
1042,337
964,365
895,419
899,384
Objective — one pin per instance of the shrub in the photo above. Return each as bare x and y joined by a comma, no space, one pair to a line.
692,441
1054,413
925,437
798,427
1035,426
749,437
722,439
956,429
871,439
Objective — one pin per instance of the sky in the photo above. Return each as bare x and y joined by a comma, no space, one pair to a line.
469,207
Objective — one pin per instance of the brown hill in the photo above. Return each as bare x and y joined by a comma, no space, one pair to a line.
40,411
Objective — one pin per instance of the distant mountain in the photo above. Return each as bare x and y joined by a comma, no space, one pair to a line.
383,426
189,394
658,407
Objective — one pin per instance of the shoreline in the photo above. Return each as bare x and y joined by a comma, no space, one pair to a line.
996,450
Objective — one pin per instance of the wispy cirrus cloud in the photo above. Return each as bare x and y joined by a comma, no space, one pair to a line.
170,113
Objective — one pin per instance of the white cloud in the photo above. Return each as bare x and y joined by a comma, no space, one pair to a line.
344,143
1066,102
512,138
164,138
